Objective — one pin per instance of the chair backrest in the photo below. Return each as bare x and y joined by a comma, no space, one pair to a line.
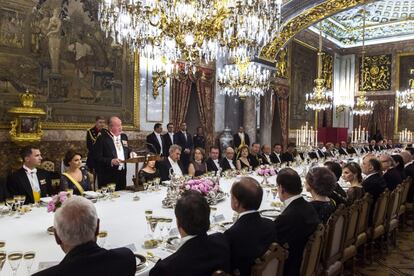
380,209
312,253
334,245
271,263
406,187
48,166
394,203
220,273
353,215
362,225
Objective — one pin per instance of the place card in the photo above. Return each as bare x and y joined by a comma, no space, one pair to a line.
218,218
44,265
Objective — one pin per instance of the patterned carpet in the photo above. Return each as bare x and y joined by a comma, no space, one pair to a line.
398,261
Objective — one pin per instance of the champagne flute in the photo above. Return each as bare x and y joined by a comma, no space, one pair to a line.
3,256
168,223
28,260
15,259
102,238
148,216
104,191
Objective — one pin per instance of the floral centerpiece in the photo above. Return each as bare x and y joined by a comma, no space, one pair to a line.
56,203
208,186
265,171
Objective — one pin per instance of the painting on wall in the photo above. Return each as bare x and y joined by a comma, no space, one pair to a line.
375,73
60,54
405,63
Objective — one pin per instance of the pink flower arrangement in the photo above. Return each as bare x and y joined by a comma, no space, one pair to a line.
57,201
265,171
203,185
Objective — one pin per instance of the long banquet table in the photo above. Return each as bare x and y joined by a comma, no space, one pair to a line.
123,219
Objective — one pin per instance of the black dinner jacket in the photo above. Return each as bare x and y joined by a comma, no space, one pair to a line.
254,160
409,171
224,164
164,168
167,142
375,185
18,184
211,166
275,159
343,152
293,227
153,145
287,157
199,256
90,259
392,178
237,140
105,151
91,135
179,138
249,238
371,148
264,159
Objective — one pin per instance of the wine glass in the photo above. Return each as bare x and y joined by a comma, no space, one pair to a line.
148,216
3,256
70,192
102,238
28,260
168,225
111,189
104,191
2,244
161,227
274,193
15,258
267,193
2,209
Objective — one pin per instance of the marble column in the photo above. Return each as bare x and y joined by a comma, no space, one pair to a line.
249,118
266,118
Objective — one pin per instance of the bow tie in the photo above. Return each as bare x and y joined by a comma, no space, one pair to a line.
34,171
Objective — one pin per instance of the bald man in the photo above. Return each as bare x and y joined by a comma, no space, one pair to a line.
111,148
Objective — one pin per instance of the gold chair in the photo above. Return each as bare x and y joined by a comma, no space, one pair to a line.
271,263
362,225
334,245
312,253
377,230
48,166
402,211
350,249
54,176
392,216
220,273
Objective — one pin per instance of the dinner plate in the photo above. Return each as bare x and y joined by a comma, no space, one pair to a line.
270,213
173,243
141,262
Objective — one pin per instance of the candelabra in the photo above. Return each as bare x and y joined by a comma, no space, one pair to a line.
359,137
306,138
405,137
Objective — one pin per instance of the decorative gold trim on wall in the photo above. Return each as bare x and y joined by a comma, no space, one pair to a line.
303,20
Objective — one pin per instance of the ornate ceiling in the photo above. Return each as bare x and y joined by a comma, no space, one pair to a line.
386,21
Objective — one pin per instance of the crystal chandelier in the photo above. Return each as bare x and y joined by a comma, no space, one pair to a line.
191,30
405,99
363,106
320,98
244,79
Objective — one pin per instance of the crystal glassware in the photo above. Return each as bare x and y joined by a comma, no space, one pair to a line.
102,235
15,258
3,256
28,258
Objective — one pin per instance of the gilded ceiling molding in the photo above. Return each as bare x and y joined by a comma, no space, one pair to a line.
303,20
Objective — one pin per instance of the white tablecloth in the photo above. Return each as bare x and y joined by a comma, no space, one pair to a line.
123,218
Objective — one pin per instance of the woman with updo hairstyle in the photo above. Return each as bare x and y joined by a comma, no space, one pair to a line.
148,172
320,182
243,160
198,165
352,173
76,177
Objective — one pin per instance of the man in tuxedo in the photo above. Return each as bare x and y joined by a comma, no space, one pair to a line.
76,227
91,136
185,141
199,140
198,253
391,175
319,152
343,150
374,182
213,161
254,157
409,172
297,221
276,155
372,144
288,156
227,163
241,138
30,181
168,138
172,161
330,150
111,148
155,143
265,156
251,235
390,145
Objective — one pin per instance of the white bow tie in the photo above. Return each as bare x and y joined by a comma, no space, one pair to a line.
34,171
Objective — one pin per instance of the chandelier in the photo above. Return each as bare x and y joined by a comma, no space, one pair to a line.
193,30
320,98
244,79
363,106
406,98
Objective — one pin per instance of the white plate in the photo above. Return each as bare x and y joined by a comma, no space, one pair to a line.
45,200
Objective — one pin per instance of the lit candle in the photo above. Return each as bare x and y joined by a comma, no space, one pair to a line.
352,136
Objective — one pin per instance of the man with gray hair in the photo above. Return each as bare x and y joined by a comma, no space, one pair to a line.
391,175
171,162
76,227
111,148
